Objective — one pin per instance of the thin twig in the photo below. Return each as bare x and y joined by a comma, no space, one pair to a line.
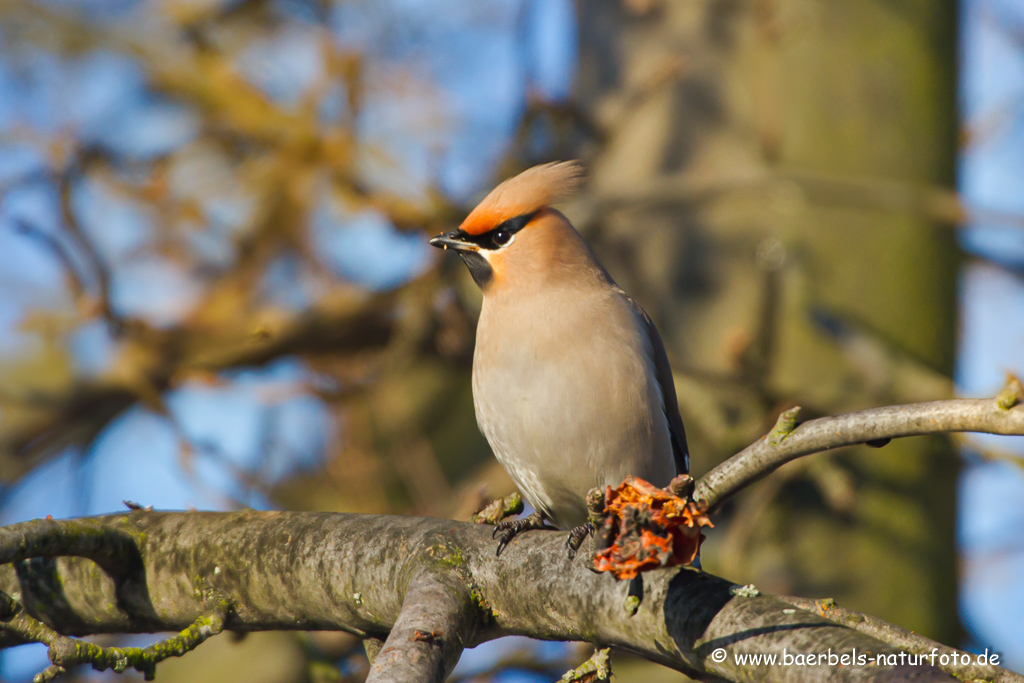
65,652
951,660
876,425
59,251
99,268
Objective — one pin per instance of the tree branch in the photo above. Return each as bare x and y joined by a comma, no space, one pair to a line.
420,590
428,637
790,442
961,664
371,575
67,652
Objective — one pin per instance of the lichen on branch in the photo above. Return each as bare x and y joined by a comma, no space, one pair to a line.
65,652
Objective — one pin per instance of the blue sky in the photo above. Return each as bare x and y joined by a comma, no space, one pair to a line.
991,501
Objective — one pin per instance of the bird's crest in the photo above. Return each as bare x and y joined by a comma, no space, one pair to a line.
531,190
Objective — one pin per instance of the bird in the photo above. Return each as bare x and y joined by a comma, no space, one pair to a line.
572,386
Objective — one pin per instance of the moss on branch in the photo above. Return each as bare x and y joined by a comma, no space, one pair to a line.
65,652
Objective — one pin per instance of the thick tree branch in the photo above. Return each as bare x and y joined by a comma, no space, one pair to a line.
371,575
992,416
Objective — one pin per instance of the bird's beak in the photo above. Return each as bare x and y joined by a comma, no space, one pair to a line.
456,239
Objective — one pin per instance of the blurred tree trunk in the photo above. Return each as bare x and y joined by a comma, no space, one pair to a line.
753,186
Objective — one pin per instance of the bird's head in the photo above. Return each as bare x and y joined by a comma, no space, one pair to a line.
514,234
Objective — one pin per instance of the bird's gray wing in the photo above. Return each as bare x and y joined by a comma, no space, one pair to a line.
663,373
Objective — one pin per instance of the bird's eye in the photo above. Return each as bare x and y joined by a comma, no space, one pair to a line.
502,237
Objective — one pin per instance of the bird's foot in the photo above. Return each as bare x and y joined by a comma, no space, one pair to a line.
509,529
576,537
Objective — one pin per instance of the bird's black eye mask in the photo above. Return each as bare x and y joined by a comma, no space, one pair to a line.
492,240
498,236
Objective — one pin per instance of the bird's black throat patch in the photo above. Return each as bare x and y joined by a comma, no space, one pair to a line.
493,240
479,268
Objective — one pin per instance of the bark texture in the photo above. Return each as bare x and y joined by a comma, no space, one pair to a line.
435,585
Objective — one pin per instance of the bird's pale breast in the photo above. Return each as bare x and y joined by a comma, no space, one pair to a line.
565,392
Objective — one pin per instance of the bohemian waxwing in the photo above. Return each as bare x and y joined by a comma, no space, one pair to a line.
571,383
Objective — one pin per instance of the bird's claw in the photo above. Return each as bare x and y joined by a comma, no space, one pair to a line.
506,537
510,528
576,537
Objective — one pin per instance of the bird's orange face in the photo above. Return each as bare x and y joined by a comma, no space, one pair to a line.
483,250
487,239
